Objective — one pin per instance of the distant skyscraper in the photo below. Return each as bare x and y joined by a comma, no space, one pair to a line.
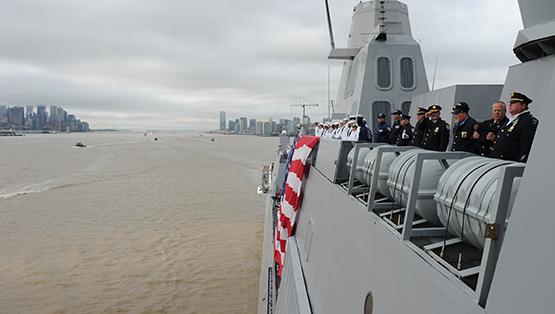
222,120
42,116
267,128
16,117
237,126
243,128
3,115
61,116
53,114
252,126
259,127
29,111
231,126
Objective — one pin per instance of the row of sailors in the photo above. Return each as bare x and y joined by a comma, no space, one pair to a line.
508,138
354,128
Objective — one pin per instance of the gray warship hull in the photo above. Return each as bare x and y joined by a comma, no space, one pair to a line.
356,251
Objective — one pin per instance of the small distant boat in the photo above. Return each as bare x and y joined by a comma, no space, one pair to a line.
212,140
145,133
79,144
155,139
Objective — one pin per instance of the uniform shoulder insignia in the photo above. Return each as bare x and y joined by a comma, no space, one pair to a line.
534,121
388,128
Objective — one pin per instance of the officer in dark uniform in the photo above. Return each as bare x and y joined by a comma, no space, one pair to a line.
487,131
396,127
437,133
364,134
383,130
514,140
406,133
463,130
420,127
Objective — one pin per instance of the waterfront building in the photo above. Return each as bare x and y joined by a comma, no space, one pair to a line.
29,110
222,120
16,117
237,126
42,116
268,128
53,115
252,126
243,128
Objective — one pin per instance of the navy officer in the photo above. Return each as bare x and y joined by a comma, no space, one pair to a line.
514,140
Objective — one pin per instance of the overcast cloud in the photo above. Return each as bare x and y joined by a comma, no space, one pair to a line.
174,64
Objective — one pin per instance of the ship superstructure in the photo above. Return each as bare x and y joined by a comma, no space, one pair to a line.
387,229
383,66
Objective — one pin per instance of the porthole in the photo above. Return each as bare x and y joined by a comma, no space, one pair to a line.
369,303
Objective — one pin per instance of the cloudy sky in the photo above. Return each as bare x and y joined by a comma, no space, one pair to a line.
173,64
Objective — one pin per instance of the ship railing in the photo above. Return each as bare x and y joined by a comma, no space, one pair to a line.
435,243
493,237
359,189
382,204
408,230
342,172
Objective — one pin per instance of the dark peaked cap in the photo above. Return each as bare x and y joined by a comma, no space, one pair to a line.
461,107
434,108
519,97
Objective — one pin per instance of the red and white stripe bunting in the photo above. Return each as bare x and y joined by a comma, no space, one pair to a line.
289,205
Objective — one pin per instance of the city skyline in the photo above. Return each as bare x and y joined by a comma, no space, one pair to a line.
252,126
174,69
25,117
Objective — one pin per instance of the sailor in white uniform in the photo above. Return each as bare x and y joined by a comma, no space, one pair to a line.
343,129
353,132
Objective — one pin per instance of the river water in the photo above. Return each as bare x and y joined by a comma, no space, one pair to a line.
129,224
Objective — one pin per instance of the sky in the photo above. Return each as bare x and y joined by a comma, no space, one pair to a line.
174,64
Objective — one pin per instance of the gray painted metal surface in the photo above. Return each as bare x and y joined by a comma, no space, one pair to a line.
353,252
534,79
403,173
466,191
327,157
359,90
346,250
479,97
536,12
293,296
524,280
382,171
266,288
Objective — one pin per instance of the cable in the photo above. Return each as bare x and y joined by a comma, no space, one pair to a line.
459,264
451,209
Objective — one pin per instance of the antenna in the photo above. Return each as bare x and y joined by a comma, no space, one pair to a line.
329,96
330,30
434,78
382,36
304,107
